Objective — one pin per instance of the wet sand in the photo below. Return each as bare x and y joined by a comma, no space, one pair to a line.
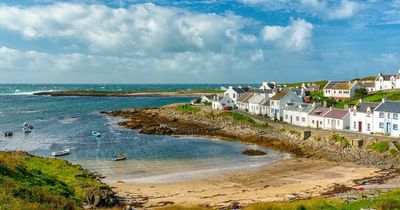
284,180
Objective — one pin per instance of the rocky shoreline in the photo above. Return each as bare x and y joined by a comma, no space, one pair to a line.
170,120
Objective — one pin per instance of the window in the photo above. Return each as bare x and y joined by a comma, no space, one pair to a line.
234,95
340,92
272,102
338,122
381,115
388,115
297,118
277,103
395,127
395,116
381,125
312,121
327,122
303,119
354,125
286,117
368,127
346,92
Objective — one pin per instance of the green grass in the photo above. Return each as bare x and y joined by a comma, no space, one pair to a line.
187,108
321,83
240,117
380,147
393,95
28,182
338,138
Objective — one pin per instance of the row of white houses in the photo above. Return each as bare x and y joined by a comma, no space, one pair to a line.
347,89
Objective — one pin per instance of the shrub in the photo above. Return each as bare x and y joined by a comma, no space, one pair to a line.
243,118
393,152
380,147
338,138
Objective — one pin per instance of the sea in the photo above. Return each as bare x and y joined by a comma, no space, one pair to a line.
67,122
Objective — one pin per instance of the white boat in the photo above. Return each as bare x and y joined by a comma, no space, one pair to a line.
27,130
96,134
119,157
60,153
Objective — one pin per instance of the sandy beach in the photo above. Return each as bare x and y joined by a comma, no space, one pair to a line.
284,180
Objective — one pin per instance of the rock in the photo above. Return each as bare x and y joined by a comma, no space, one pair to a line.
253,152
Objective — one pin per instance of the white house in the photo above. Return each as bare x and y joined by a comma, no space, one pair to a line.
234,93
278,102
385,82
297,113
386,118
256,102
265,110
243,101
267,85
339,89
220,103
316,117
207,98
337,119
361,117
368,85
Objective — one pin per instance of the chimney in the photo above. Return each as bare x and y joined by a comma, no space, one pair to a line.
313,104
230,87
380,74
330,108
383,100
360,100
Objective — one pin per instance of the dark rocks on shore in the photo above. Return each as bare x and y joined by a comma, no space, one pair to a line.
253,152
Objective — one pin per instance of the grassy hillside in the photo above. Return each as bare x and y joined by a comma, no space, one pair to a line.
393,95
322,83
29,182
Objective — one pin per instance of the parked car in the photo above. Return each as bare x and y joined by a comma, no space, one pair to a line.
228,108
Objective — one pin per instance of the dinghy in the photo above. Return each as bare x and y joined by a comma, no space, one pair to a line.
119,157
8,134
60,153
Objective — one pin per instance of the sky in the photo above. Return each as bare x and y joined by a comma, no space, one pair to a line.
202,41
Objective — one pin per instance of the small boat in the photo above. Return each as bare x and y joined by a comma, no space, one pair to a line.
60,153
27,130
96,134
8,134
119,157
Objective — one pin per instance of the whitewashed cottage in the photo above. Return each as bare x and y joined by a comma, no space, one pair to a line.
278,102
337,119
219,103
362,117
297,113
386,118
316,117
341,89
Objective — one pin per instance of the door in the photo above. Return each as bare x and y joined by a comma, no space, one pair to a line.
333,124
359,126
388,130
291,119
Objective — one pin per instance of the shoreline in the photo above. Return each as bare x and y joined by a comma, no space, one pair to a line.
325,157
283,180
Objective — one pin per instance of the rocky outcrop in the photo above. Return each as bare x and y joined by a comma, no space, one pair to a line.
253,152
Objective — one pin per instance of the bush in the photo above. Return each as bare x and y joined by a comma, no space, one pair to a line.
380,147
393,152
243,118
338,138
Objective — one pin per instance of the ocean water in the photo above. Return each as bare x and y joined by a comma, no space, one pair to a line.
68,121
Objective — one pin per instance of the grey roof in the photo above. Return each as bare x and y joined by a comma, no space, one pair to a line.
337,113
386,77
332,83
302,107
297,91
363,106
261,90
319,111
256,99
245,97
389,106
238,90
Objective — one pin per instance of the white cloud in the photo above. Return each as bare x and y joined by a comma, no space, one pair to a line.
141,28
294,37
346,8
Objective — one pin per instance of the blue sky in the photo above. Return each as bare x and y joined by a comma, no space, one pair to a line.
203,41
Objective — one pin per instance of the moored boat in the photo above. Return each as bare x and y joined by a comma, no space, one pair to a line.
60,153
119,157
